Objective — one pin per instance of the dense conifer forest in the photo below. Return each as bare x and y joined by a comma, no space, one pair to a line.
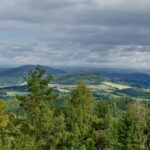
45,120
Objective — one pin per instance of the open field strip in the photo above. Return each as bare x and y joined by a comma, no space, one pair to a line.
14,93
109,86
115,85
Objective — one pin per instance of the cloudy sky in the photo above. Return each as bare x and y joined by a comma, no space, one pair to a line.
111,33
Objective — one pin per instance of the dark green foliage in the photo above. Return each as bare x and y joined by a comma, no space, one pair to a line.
131,128
102,112
134,92
126,133
102,126
72,78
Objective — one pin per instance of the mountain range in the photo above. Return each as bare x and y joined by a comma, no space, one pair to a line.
14,75
22,70
70,75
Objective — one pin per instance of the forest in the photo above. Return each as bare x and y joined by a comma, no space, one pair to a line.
79,120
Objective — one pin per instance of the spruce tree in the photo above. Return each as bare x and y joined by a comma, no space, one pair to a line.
79,115
40,124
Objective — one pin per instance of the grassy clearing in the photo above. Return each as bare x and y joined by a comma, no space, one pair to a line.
115,85
108,86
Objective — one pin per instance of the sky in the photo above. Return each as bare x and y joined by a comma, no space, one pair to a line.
95,33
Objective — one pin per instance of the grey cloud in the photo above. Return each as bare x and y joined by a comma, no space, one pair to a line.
75,32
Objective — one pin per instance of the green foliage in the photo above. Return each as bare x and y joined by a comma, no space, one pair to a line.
79,118
40,123
131,128
4,119
75,121
102,112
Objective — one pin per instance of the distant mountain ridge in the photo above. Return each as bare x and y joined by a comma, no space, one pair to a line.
68,75
22,70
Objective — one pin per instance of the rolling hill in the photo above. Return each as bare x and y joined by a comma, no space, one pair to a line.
14,75
22,70
65,76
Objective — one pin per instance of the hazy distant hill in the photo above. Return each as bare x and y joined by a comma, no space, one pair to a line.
136,77
22,70
3,70
100,70
66,75
13,75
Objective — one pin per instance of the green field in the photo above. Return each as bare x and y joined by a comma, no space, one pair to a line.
108,86
105,87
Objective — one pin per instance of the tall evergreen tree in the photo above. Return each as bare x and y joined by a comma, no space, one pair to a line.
79,113
40,123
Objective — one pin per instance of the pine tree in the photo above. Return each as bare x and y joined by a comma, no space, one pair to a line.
40,124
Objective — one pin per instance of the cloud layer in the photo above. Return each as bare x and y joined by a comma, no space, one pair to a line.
112,33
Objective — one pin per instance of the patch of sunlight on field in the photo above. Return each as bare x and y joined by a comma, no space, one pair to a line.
115,85
100,87
63,90
107,86
14,93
